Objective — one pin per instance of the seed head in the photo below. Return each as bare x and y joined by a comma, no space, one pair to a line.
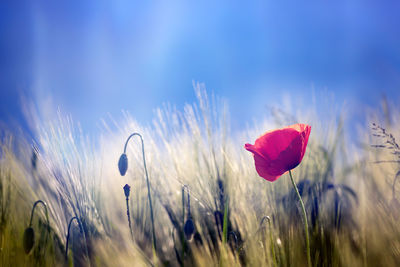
127,190
29,239
123,164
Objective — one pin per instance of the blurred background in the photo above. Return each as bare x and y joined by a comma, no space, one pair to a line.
94,58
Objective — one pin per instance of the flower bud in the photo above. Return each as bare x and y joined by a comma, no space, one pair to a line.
127,190
189,229
29,239
123,164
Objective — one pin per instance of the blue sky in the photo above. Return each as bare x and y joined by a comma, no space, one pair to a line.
98,57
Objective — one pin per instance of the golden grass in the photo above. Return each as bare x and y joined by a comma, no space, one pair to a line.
352,211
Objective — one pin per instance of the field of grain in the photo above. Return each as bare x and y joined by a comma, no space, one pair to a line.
349,183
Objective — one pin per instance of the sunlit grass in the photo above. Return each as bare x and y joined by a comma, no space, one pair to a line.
351,199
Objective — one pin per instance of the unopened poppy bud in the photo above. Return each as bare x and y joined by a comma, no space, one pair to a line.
189,229
123,164
127,190
29,239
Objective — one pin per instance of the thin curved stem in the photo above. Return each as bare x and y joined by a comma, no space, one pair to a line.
305,220
84,237
46,212
266,217
47,217
148,187
127,140
188,197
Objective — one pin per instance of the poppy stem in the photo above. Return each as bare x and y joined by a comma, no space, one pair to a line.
154,245
127,191
46,212
83,234
183,225
129,217
305,219
225,223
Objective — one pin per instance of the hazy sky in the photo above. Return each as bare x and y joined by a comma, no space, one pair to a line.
97,57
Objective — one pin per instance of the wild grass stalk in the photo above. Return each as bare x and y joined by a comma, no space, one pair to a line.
183,223
81,230
303,209
225,224
347,197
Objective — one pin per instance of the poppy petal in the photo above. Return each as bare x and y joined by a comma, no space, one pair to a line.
274,142
279,151
266,171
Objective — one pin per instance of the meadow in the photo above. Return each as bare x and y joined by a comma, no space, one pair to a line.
210,206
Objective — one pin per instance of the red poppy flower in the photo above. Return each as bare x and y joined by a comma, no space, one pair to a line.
279,151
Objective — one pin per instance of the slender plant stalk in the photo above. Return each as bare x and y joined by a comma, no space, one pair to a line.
225,224
224,234
83,234
47,217
127,191
148,189
183,225
129,217
46,212
272,243
270,237
305,220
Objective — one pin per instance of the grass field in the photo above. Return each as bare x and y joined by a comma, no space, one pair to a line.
350,190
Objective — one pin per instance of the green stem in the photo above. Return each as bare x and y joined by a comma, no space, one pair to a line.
225,224
47,214
129,218
183,225
148,189
305,220
150,202
224,235
30,221
82,230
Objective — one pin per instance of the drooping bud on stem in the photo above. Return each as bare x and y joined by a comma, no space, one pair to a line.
82,230
123,164
123,167
29,239
189,227
29,233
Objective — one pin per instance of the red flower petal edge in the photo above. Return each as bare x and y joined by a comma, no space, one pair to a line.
279,151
